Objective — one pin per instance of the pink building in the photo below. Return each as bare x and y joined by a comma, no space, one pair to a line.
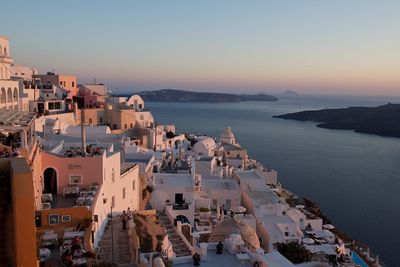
97,181
91,95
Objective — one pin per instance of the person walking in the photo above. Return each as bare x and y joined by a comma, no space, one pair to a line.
124,218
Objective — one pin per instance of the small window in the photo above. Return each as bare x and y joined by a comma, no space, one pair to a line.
90,121
60,82
113,175
131,125
133,185
75,179
126,126
123,193
73,84
113,201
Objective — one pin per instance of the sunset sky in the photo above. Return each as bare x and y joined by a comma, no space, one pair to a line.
329,47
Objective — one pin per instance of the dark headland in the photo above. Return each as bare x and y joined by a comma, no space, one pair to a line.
174,95
382,120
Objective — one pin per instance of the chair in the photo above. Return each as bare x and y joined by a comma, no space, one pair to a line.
69,229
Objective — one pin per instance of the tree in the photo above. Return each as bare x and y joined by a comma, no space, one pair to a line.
294,252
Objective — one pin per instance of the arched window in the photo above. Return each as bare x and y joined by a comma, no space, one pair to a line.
5,51
3,96
15,95
9,95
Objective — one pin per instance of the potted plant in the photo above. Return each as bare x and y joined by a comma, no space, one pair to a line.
196,259
205,213
220,247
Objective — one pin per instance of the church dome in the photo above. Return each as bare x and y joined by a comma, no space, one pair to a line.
229,226
227,133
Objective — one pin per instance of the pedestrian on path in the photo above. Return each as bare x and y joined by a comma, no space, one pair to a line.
124,218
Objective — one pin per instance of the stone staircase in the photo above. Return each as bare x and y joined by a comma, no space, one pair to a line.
122,250
178,245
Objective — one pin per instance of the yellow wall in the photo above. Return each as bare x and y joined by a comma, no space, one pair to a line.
23,214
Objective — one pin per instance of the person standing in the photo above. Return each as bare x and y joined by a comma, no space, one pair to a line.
129,214
124,218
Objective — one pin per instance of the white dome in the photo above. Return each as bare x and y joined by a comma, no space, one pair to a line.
227,133
204,145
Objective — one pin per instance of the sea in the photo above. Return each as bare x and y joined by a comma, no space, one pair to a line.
354,178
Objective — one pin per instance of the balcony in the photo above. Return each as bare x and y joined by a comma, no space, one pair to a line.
180,206
6,58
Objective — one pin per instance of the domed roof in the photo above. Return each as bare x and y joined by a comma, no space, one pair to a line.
233,226
227,133
203,145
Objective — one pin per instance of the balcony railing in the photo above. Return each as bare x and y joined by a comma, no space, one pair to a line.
180,206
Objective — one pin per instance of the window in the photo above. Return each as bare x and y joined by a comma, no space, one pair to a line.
115,126
123,193
60,82
75,179
90,121
133,185
126,126
57,105
113,175
73,84
113,201
131,125
101,120
228,204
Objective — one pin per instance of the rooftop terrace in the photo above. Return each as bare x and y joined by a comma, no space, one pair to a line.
15,118
214,259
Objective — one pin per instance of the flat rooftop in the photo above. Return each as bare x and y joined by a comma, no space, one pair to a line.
173,179
263,197
220,184
248,175
214,260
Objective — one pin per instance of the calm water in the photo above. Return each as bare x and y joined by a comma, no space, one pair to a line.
354,177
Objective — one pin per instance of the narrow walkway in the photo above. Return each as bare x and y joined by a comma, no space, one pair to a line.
178,245
122,252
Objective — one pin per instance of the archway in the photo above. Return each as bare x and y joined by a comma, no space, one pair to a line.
50,181
3,96
182,219
9,96
15,98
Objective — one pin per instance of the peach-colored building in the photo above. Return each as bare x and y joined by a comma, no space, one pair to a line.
69,82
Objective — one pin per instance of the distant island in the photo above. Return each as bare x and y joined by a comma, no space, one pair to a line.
174,95
289,92
382,120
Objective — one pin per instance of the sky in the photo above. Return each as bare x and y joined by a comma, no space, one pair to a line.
309,46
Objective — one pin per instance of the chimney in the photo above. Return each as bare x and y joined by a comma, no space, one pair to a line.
83,132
